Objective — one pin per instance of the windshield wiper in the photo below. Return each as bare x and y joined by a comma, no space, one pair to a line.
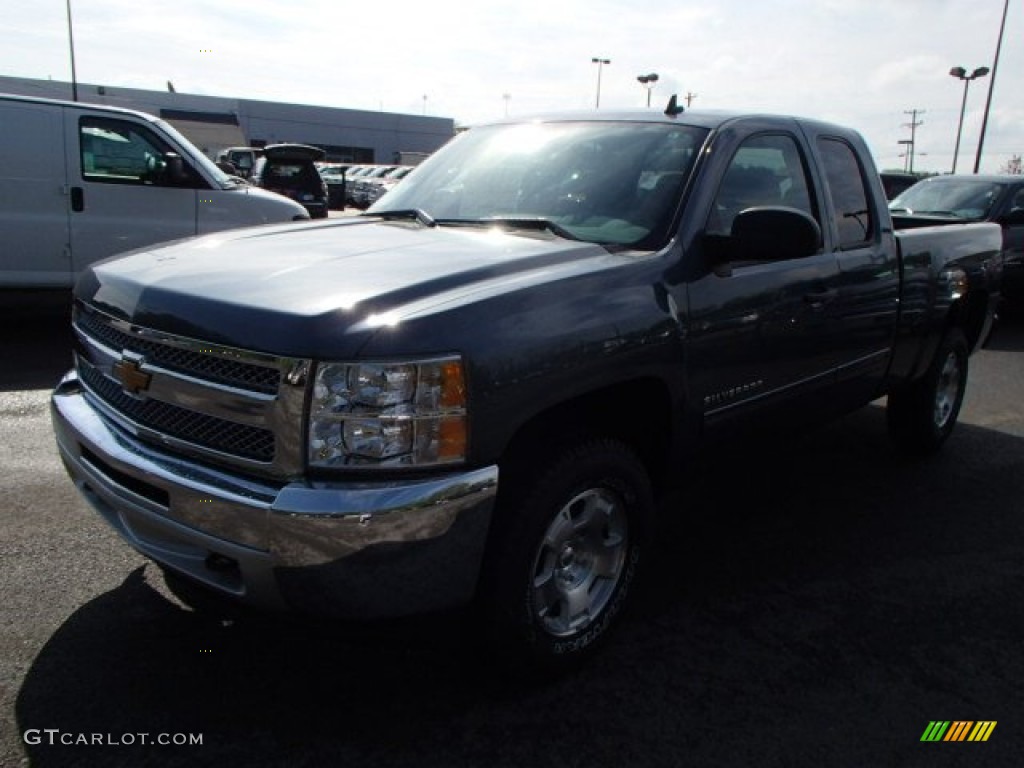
513,222
954,214
418,214
919,212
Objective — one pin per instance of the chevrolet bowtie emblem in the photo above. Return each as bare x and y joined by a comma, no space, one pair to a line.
129,372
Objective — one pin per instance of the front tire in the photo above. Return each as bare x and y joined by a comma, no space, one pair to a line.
565,554
922,416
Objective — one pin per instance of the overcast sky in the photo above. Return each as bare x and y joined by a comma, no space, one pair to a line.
864,63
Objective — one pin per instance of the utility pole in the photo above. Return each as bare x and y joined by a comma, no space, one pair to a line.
912,125
690,96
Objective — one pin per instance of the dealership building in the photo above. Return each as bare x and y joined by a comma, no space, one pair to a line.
213,122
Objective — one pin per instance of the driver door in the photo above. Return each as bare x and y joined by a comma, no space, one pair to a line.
760,332
121,197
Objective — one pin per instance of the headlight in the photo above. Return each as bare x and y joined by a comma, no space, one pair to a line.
388,413
955,281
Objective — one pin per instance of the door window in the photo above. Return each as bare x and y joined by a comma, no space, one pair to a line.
767,170
121,152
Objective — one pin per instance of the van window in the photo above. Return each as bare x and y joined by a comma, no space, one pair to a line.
120,152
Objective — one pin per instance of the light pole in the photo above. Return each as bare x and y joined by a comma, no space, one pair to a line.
648,81
71,45
991,87
961,74
600,63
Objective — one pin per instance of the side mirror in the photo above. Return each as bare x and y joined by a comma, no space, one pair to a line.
774,234
1014,218
175,173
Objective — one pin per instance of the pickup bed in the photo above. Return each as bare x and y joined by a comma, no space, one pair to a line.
474,392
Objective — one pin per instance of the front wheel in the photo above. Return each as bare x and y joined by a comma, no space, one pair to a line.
564,556
923,415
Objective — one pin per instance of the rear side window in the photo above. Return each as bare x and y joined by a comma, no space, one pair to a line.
855,220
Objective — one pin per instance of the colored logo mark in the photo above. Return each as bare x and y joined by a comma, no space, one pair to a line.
958,730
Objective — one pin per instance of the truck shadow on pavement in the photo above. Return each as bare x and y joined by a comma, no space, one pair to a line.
35,336
811,603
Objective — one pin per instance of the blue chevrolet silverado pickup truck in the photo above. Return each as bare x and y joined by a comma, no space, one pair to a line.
473,393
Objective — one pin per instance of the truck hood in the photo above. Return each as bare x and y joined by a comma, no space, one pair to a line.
300,289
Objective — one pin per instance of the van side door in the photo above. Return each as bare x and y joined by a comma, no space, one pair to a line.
33,197
123,194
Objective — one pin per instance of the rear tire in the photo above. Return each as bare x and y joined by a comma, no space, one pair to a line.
565,554
922,416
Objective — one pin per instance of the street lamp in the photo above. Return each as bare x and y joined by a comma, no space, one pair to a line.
991,87
648,81
961,74
600,63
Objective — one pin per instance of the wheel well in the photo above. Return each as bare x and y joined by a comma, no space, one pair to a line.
969,315
637,412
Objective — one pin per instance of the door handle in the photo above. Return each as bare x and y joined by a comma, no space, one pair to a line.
77,199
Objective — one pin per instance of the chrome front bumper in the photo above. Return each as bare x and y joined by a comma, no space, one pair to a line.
357,550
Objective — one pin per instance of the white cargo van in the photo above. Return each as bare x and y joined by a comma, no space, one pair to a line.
80,182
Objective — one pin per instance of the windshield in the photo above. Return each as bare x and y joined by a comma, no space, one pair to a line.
221,179
964,198
614,183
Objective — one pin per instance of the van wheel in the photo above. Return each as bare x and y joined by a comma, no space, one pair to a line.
922,416
565,555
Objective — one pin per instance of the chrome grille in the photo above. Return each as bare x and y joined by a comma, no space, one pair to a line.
202,365
229,406
208,431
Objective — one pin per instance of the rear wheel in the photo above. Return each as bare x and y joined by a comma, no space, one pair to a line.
565,555
922,416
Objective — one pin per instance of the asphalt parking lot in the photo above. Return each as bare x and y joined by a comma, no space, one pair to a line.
813,602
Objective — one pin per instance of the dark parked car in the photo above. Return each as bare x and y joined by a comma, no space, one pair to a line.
377,188
352,175
334,176
242,159
289,170
999,199
894,183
